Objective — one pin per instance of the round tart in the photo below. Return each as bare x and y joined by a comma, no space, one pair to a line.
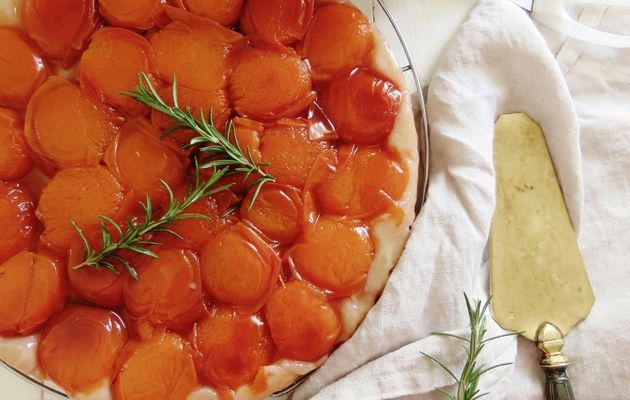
118,280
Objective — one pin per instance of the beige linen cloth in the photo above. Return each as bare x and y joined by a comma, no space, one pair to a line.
499,63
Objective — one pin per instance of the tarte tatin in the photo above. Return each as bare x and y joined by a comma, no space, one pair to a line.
280,256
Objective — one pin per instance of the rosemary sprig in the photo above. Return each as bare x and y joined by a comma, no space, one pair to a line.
468,381
132,238
219,147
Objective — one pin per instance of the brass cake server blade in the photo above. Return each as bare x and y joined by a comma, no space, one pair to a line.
538,282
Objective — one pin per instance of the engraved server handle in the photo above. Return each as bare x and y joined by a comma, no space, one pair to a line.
554,363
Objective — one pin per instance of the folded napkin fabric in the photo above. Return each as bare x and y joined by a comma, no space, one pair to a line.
498,63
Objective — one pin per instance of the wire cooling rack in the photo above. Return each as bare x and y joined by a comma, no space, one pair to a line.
409,68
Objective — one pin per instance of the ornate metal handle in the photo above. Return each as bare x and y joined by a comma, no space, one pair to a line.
554,363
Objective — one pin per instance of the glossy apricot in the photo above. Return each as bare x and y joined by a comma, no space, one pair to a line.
103,82
194,52
303,324
80,195
338,40
289,151
32,290
270,82
198,231
277,212
79,347
98,286
18,217
60,29
64,127
283,21
15,161
137,14
22,68
210,101
225,12
365,182
238,268
233,347
160,367
168,289
335,255
139,159
248,134
362,106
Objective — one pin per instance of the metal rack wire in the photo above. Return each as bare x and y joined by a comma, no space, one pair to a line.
424,151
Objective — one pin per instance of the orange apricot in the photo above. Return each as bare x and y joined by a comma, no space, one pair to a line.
139,159
270,82
248,134
303,324
79,347
159,367
277,212
233,347
80,195
136,14
198,231
289,151
60,29
338,40
15,161
168,290
18,219
195,53
362,106
283,21
210,101
103,82
365,182
32,290
98,286
22,68
238,268
225,12
64,127
335,255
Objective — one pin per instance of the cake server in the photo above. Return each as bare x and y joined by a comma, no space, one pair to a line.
538,282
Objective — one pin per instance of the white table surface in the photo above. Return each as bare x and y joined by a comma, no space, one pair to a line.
427,25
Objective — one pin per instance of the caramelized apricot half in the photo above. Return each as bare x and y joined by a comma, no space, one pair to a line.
338,40
195,53
103,82
365,183
64,127
22,68
277,212
60,29
362,106
225,12
80,195
233,347
137,14
15,161
283,21
289,151
31,291
238,268
303,324
270,82
139,159
160,367
79,347
335,255
168,289
18,218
